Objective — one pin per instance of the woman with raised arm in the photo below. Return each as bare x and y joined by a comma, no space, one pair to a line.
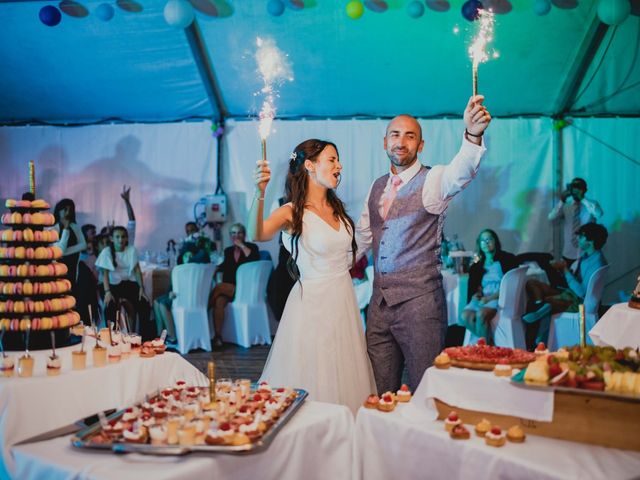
320,344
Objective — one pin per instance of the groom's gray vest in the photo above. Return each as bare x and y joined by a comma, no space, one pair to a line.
406,246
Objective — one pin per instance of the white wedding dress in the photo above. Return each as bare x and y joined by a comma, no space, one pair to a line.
320,344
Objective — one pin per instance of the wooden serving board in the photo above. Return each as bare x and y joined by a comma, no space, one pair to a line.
578,417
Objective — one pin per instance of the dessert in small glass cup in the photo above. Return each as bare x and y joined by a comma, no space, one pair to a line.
7,365
136,342
78,360
114,354
25,365
99,355
54,365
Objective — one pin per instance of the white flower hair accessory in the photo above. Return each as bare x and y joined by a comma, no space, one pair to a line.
293,156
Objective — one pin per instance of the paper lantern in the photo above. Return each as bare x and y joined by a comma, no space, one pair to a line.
613,12
178,13
275,7
50,15
415,9
355,9
104,12
470,10
542,7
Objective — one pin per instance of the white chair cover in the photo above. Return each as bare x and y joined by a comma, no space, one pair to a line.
192,284
246,319
565,327
507,326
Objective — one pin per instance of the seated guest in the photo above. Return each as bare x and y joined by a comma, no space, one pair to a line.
122,280
240,252
546,300
484,284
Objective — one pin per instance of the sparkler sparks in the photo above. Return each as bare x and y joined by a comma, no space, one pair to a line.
274,68
478,48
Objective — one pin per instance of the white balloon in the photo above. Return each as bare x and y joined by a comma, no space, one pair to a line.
178,13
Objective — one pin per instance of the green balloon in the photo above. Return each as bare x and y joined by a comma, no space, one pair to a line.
355,9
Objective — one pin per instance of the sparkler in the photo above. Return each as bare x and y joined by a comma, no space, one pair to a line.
274,69
478,48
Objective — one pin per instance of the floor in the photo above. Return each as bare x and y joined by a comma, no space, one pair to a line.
232,361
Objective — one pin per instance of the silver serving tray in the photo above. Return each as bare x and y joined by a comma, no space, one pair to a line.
80,439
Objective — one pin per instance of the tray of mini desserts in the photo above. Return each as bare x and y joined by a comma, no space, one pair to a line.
592,370
493,435
240,417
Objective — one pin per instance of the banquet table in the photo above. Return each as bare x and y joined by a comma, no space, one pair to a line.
618,327
156,279
316,443
407,444
32,406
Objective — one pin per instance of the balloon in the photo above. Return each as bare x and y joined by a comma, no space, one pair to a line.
470,10
415,9
355,9
105,12
178,13
542,7
275,7
613,12
50,15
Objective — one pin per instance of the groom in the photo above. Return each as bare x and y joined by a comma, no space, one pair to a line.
402,221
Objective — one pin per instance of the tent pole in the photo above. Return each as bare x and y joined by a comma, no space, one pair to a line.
210,82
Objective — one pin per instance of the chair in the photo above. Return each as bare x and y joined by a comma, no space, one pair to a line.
246,319
565,327
191,285
507,326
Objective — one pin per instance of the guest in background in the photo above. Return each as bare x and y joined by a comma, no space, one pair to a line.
240,252
545,300
90,255
280,282
574,210
72,240
122,280
484,284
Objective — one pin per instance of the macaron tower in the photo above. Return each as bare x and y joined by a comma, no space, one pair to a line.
34,295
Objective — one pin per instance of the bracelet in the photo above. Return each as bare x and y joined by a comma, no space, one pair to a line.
472,135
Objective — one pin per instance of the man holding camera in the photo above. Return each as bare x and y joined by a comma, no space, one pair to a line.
574,210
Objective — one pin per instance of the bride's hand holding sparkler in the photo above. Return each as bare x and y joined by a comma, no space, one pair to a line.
262,176
476,118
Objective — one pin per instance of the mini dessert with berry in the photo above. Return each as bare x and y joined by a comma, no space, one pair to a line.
54,365
387,403
371,401
403,395
460,432
442,361
541,349
451,421
495,437
502,369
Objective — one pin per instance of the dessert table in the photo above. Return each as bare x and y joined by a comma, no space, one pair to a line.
316,443
408,444
39,404
618,327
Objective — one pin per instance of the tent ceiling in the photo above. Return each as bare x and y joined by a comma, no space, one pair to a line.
137,68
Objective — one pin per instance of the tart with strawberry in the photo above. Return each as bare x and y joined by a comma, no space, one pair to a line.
371,401
387,403
495,437
460,432
451,421
541,349
403,395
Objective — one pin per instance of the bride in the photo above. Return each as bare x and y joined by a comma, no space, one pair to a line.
320,344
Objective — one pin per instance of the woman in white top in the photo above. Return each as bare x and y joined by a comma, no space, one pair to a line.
122,280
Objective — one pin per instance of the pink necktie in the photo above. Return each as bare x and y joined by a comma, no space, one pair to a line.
396,181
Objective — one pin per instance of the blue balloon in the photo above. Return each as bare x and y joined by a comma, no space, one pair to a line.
415,9
613,12
542,7
50,15
470,10
275,7
104,12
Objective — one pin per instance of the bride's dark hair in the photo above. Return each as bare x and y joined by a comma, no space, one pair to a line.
296,187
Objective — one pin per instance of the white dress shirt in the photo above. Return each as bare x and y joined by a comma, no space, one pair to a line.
441,184
590,211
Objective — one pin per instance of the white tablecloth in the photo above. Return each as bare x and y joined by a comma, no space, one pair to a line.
618,327
481,391
32,406
316,443
156,279
402,445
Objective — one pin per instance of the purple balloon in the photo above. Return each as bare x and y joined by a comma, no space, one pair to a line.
470,10
50,15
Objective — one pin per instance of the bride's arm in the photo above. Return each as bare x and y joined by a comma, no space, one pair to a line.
259,229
